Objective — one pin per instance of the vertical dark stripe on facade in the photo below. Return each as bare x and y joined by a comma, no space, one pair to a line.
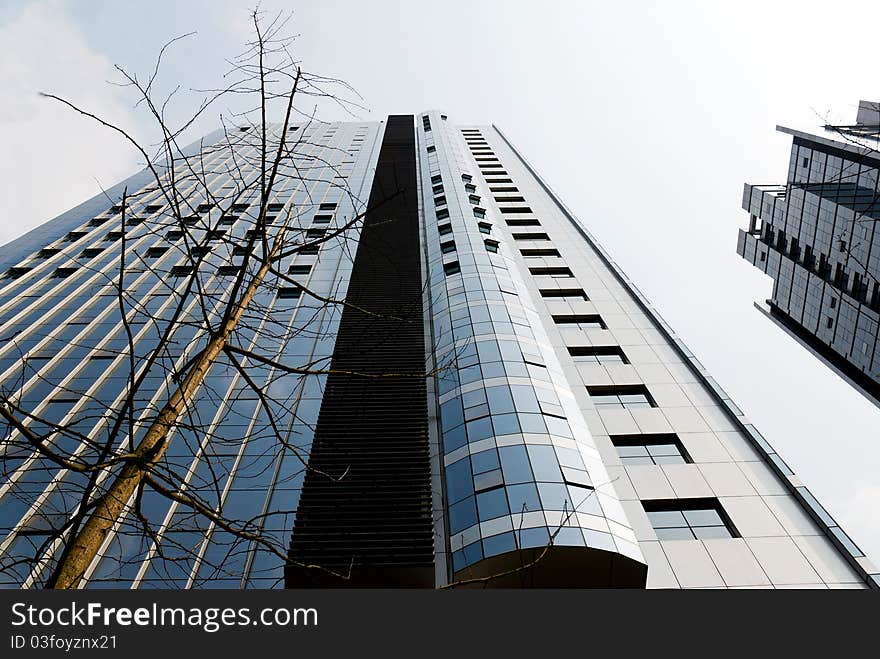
365,507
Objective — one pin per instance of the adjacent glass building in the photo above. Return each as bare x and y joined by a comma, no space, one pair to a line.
494,405
815,236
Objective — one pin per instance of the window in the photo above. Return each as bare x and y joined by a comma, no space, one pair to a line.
474,199
452,268
582,321
598,354
308,250
437,178
471,188
156,252
98,221
228,270
16,272
634,396
299,269
228,219
689,519
479,212
440,201
240,207
322,219
515,209
153,208
73,236
116,235
181,270
805,162
491,245
509,199
289,292
530,222
833,302
485,227
63,272
655,449
829,322
505,189
327,207
275,207
204,208
447,247
437,189
564,292
532,253
445,229
559,271
442,213
48,252
467,178
431,148
91,252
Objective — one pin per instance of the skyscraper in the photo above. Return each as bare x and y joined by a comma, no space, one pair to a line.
494,403
815,236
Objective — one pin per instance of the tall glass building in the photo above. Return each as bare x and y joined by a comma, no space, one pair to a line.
495,404
815,236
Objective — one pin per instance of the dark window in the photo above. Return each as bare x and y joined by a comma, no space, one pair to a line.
530,222
63,272
308,250
630,396
156,252
531,236
98,221
485,227
491,245
16,272
91,252
228,219
583,321
442,213
48,252
598,354
181,270
515,209
552,272
829,322
539,252
240,207
153,208
437,178
467,177
565,292
204,208
447,247
805,162
451,268
275,207
73,236
431,148
289,292
479,212
440,201
322,219
299,269
228,270
327,207
445,229
689,519
657,449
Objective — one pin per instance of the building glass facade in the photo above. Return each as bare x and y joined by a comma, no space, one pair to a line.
815,236
572,439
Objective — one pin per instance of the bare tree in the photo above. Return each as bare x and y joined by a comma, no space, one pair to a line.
122,458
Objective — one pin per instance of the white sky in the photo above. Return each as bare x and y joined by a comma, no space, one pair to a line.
646,118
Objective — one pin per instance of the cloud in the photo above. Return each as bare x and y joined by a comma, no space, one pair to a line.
52,158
